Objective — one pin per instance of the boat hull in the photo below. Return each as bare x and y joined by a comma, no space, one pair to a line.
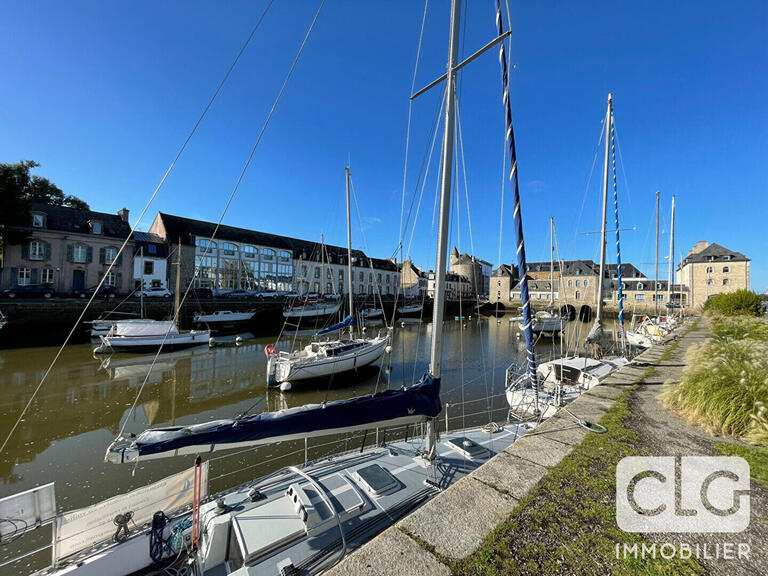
152,343
287,371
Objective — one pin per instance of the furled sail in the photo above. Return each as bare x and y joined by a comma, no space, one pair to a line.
346,323
386,408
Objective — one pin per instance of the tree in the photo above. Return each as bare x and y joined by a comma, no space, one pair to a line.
18,189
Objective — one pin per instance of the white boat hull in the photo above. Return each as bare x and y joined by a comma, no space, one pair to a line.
175,341
313,310
292,370
223,317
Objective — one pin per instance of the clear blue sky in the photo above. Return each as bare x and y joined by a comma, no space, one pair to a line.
102,95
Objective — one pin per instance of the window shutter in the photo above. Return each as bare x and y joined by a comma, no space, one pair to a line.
47,247
101,255
14,276
33,276
118,280
70,253
89,254
119,260
25,250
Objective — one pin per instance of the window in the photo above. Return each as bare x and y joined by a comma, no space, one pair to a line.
329,287
38,221
47,276
79,253
727,257
109,255
387,278
586,283
498,295
640,297
726,282
248,251
303,270
709,269
284,256
317,272
149,267
640,286
151,249
378,278
204,243
710,282
570,283
578,283
228,249
96,227
659,298
36,250
726,269
362,276
25,277
111,279
578,295
362,289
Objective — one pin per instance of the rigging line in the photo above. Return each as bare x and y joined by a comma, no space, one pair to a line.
426,176
408,130
138,221
226,206
589,181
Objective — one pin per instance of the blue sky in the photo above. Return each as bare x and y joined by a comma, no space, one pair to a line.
103,94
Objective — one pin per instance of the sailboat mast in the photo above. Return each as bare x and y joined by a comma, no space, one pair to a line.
349,251
671,275
141,302
603,219
436,352
656,274
322,265
177,296
551,261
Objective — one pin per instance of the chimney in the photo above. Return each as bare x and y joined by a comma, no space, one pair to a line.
124,215
700,245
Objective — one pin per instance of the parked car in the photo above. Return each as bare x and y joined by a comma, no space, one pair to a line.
238,294
30,291
153,292
105,292
290,294
200,293
269,294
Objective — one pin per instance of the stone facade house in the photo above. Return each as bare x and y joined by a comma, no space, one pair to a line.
476,270
711,269
69,249
413,282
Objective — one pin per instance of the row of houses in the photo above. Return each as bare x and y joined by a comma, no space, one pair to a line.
708,269
71,250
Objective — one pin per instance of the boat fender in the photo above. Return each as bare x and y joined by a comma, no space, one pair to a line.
285,387
388,349
156,542
211,342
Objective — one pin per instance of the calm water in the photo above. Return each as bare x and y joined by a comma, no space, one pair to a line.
86,400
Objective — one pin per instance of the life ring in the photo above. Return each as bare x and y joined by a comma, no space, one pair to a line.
269,349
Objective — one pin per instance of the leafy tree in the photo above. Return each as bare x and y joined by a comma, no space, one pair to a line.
18,189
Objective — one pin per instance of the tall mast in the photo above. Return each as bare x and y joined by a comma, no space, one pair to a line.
671,275
606,171
656,274
177,296
349,252
618,235
436,351
322,265
551,261
141,293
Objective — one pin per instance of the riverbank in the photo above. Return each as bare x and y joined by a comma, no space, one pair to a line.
546,505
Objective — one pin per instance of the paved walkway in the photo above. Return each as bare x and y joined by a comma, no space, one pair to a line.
454,524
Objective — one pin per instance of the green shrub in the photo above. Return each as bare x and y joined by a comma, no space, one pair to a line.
743,302
738,328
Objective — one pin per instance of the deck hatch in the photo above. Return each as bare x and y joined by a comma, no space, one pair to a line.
467,447
376,479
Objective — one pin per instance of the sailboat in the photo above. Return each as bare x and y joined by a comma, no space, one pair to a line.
562,380
313,307
548,322
327,358
299,519
145,335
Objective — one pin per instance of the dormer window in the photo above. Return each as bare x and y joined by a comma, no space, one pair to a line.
96,227
38,220
727,257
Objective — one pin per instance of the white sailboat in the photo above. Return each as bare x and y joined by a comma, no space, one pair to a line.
328,358
299,519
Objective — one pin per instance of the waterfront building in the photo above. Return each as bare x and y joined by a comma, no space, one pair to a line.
69,249
478,271
456,286
502,281
413,282
711,269
242,259
150,261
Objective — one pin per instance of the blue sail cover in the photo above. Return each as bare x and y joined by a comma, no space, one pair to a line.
618,242
348,321
388,407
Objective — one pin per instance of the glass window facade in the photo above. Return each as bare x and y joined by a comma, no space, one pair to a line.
230,266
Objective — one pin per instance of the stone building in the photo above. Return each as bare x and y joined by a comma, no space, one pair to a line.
456,286
711,269
413,282
502,281
69,249
241,259
476,270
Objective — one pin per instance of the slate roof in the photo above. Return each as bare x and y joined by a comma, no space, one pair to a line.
627,270
504,270
186,228
64,219
715,253
143,240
